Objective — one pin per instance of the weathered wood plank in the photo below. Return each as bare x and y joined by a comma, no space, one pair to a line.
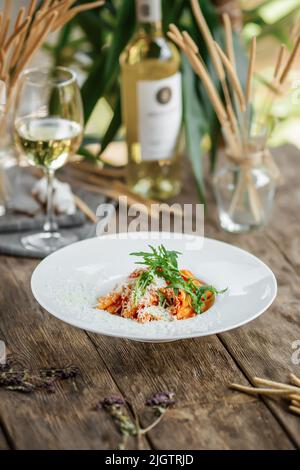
64,420
284,226
199,372
264,347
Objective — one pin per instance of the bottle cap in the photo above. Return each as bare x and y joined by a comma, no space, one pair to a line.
149,11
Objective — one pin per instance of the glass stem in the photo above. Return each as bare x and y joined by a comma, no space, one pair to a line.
50,225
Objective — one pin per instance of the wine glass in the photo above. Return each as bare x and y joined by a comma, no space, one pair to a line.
48,125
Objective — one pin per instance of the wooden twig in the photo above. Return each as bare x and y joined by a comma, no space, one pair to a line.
290,62
42,16
229,39
69,15
176,40
229,107
233,77
203,27
260,391
279,61
85,209
5,28
32,7
30,30
116,189
16,33
295,380
225,116
5,23
294,396
36,44
234,120
296,403
276,385
108,172
207,82
88,6
295,409
214,56
251,69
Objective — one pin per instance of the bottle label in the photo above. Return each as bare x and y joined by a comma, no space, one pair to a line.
149,11
160,116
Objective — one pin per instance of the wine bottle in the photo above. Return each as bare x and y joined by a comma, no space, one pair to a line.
152,106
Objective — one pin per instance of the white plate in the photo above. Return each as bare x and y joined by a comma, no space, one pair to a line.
68,283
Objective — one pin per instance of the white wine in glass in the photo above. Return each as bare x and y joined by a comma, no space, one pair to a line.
48,130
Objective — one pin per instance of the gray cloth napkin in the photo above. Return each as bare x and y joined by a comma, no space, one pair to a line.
14,226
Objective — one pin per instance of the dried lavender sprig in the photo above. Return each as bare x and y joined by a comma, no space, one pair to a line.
111,400
115,406
161,400
27,381
65,373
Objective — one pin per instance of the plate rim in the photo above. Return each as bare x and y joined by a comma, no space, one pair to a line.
157,339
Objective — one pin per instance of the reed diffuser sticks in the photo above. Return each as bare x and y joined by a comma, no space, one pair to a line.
219,57
29,31
233,106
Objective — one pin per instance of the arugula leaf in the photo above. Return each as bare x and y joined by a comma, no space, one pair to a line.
164,264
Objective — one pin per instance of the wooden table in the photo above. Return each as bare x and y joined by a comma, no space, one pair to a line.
198,370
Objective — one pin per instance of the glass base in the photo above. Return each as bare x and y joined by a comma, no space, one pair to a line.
232,226
46,243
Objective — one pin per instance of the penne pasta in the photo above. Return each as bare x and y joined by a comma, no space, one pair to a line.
159,291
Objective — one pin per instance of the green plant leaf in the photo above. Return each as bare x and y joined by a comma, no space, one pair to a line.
63,40
91,25
94,86
172,10
104,72
113,127
194,120
124,26
86,154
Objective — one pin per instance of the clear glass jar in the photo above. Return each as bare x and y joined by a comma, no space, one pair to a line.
8,175
244,197
8,164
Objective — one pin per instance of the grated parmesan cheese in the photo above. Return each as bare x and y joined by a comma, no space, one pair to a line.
146,310
155,312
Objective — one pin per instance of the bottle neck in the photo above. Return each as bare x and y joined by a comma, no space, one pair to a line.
150,29
149,16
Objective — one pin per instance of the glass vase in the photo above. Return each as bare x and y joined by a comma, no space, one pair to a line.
8,164
244,196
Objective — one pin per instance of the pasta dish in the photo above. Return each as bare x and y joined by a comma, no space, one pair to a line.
159,290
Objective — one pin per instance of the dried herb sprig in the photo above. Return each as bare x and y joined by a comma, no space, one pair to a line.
116,407
273,389
21,38
161,401
68,372
24,380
